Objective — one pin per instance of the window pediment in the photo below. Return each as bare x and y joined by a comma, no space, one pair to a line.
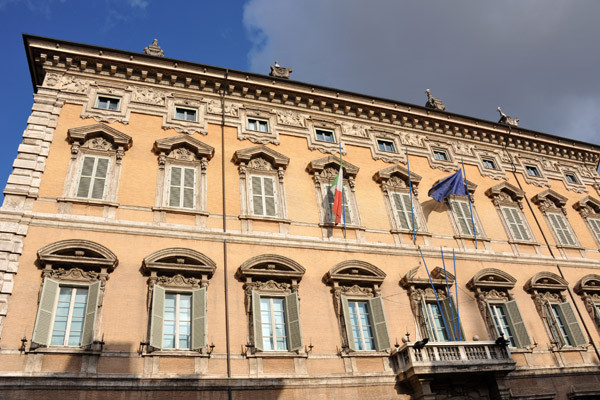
262,153
271,267
438,278
505,193
396,177
589,283
183,147
118,140
588,206
355,271
549,199
492,278
178,260
546,281
332,162
79,253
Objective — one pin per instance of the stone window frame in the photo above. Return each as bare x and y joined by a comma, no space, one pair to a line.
458,234
185,126
262,161
546,289
183,271
588,288
577,187
324,147
99,140
72,263
386,156
90,109
324,171
361,281
271,275
540,181
182,151
506,195
392,180
449,165
494,286
253,112
589,209
420,292
551,202
498,173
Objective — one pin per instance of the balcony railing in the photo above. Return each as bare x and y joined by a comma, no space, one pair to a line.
453,357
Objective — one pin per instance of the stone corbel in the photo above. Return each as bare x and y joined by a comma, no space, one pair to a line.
162,159
120,154
75,149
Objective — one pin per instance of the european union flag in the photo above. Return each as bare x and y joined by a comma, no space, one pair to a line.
453,184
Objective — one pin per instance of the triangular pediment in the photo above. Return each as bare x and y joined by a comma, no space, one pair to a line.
588,202
84,133
200,149
332,161
275,158
514,192
549,194
399,171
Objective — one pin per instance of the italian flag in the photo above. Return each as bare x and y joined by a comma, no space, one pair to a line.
338,200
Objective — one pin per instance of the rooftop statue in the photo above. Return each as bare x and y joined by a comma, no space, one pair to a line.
280,72
434,102
507,120
154,49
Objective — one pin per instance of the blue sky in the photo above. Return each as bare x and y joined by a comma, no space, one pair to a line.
537,59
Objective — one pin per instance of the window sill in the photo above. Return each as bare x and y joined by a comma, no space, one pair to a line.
467,237
87,201
181,211
567,349
63,350
341,225
365,353
568,246
107,110
175,353
419,233
277,354
263,218
531,243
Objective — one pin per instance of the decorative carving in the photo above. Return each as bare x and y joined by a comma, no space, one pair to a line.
154,49
181,281
268,286
148,95
74,150
231,109
353,290
74,84
494,294
463,148
182,154
98,143
412,139
287,117
352,129
329,173
434,102
73,274
52,79
507,120
260,163
280,72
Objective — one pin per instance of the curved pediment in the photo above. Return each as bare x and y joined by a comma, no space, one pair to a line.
514,192
546,281
355,271
398,171
179,260
492,278
332,162
557,199
271,266
84,133
276,159
588,284
170,144
77,252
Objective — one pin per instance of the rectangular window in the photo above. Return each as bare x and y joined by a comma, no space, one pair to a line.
532,171
108,103
440,155
366,327
515,223
361,325
508,321
258,125
92,179
595,224
572,179
404,211
489,163
325,136
276,321
177,321
436,323
560,325
69,317
185,114
182,187
263,196
347,216
563,233
441,320
564,325
462,212
386,145
501,322
272,316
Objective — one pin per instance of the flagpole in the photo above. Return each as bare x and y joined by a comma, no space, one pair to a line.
434,292
448,291
456,288
412,209
470,207
343,193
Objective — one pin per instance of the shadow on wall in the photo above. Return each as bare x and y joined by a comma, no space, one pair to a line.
430,206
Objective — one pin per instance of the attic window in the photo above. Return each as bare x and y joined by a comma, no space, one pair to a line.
571,178
533,171
440,155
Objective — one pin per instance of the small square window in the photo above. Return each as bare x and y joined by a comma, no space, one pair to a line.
533,171
489,163
325,136
572,178
386,145
440,155
108,103
259,125
185,114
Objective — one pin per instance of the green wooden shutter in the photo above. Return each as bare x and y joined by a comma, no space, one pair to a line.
409,212
347,213
90,314
510,219
572,325
175,187
562,229
157,318
520,224
429,328
257,196
399,206
553,325
43,322
490,314
451,315
380,331
595,224
269,194
198,318
596,308
189,184
85,179
519,331
257,321
100,178
292,313
347,322
461,217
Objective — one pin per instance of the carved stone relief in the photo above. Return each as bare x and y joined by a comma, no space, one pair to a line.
98,143
412,139
52,79
290,118
148,95
70,83
260,163
182,154
352,129
231,109
463,148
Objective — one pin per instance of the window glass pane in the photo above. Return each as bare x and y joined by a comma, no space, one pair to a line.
69,316
325,136
440,155
273,322
185,114
385,145
532,171
501,322
437,321
490,164
360,322
571,178
560,324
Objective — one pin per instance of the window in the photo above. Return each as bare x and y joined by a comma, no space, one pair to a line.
325,135
403,211
178,321
92,178
386,145
276,322
360,325
108,103
441,324
435,323
347,215
69,316
564,325
258,125
182,187
508,322
185,114
489,163
515,223
440,155
595,225
572,179
263,196
533,171
561,229
462,213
